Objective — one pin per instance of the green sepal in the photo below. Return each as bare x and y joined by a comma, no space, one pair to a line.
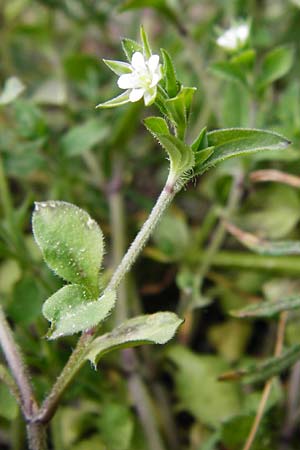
179,108
201,141
145,41
118,67
169,75
130,47
156,328
72,309
117,101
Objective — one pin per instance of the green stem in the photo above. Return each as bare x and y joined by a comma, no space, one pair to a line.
18,369
77,358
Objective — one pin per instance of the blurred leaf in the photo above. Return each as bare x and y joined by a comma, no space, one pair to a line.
116,426
71,309
156,328
51,92
276,64
263,246
172,236
233,142
30,121
91,443
267,369
71,242
8,405
197,387
229,71
13,88
230,338
10,274
268,309
84,137
26,304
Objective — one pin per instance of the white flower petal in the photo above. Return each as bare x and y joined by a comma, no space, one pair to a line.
149,96
138,61
243,32
153,63
156,77
136,95
127,81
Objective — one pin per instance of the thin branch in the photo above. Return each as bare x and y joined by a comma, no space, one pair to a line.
16,364
268,385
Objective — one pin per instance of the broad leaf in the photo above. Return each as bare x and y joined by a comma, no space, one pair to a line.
71,242
269,368
82,138
156,328
233,142
71,309
268,308
275,65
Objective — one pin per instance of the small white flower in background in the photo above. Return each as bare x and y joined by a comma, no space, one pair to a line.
143,78
235,37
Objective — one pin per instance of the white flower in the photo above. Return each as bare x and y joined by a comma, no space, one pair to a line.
234,38
142,79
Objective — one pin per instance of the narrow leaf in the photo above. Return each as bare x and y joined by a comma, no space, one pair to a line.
268,369
71,242
169,74
268,308
263,246
156,328
70,311
233,142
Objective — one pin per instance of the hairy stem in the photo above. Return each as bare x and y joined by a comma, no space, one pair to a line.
18,369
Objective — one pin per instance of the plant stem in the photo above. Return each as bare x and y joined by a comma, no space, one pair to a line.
77,358
37,436
16,364
268,385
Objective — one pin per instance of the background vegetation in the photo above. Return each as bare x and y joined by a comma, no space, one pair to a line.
54,144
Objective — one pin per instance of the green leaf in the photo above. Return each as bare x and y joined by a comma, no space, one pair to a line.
229,71
179,108
8,405
156,328
263,246
71,310
116,425
130,47
233,142
117,101
269,368
201,141
198,390
169,74
157,125
145,41
83,137
71,242
268,308
171,236
276,64
118,67
13,87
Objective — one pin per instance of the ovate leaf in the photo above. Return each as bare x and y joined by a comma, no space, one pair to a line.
156,328
71,309
71,242
233,142
275,65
